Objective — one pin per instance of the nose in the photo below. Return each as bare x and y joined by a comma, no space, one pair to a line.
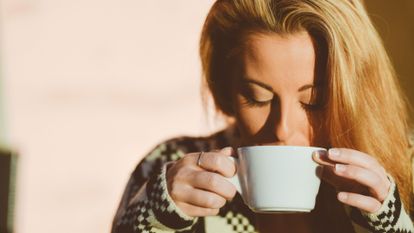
284,118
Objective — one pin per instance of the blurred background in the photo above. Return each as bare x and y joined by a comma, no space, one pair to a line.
89,87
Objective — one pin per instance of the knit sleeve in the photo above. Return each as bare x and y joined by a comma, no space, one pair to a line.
146,205
391,217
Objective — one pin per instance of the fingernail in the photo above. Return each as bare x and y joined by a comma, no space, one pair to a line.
227,150
342,196
320,154
316,156
334,153
340,168
321,157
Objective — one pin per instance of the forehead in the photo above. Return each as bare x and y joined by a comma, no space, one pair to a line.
287,60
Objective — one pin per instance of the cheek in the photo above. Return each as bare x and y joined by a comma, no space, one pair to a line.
253,119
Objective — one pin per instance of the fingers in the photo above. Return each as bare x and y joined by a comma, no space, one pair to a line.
357,172
217,161
213,182
202,194
196,211
199,198
354,157
321,158
342,183
328,175
365,177
197,184
357,159
366,203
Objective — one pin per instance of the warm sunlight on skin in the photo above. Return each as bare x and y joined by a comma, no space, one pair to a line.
274,98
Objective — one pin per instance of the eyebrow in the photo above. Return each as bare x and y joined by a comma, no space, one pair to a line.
269,88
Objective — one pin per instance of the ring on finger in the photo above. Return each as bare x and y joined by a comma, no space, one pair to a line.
199,159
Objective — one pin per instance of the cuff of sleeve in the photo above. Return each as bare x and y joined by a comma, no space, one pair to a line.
164,208
388,214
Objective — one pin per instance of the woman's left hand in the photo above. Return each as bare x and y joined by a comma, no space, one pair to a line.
359,178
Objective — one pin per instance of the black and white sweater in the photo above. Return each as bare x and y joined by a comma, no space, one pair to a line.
147,207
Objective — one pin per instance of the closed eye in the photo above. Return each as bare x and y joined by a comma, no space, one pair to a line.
250,102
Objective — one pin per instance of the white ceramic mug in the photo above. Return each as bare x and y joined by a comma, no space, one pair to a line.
277,178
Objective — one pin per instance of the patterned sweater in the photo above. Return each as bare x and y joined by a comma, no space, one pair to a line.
147,207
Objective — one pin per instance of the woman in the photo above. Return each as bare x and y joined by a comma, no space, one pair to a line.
286,72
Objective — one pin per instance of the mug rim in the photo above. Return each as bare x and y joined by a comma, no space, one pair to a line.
282,146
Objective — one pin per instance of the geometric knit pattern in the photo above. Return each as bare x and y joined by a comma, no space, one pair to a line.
387,219
146,205
388,216
239,223
164,209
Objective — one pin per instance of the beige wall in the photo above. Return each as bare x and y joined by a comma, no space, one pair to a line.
92,85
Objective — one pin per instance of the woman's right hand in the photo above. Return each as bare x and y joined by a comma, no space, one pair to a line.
202,190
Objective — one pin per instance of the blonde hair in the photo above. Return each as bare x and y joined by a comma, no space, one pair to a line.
364,106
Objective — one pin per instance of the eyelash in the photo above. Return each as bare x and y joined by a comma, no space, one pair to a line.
253,103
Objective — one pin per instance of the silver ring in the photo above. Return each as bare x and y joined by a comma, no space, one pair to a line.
199,158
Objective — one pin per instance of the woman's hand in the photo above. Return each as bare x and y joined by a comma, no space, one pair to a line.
359,178
201,190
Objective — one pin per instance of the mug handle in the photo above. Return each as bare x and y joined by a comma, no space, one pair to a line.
235,179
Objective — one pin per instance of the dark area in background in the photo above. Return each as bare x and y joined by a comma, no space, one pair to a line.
7,185
395,23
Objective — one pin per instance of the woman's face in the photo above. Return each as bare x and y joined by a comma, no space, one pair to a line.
273,95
